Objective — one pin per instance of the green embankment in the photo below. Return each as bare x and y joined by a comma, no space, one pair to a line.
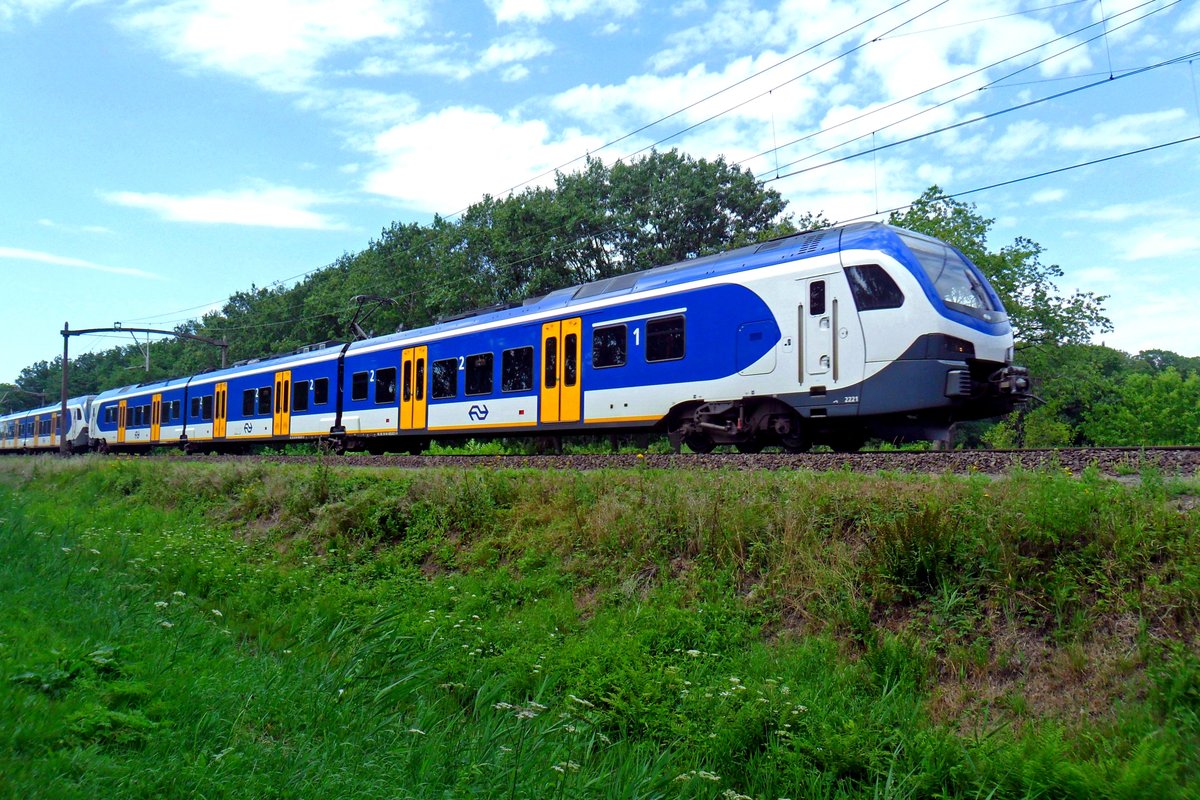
175,629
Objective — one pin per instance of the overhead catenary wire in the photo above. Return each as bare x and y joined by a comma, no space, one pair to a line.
1034,176
983,118
962,77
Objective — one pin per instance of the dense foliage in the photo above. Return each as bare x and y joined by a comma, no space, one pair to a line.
607,220
183,629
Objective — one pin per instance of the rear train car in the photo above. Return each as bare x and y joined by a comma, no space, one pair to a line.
40,429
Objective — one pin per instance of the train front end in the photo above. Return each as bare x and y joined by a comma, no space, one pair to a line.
947,359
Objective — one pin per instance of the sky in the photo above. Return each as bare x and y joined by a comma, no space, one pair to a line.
157,156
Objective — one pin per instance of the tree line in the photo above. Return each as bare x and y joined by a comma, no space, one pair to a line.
606,220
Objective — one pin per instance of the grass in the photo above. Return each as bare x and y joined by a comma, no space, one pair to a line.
180,629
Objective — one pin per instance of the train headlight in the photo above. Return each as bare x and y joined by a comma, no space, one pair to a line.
954,347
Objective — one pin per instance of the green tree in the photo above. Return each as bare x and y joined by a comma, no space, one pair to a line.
1040,313
1159,409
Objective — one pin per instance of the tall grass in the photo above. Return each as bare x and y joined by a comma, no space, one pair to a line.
191,629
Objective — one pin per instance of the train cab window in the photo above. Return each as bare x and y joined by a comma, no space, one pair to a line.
206,406
479,373
249,399
264,400
359,382
321,391
664,339
816,298
516,370
608,346
570,359
385,385
300,396
873,288
445,379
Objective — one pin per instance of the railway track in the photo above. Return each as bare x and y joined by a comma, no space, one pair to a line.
1112,461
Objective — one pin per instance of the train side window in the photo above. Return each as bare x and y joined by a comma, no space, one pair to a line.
385,385
816,298
249,399
480,373
550,363
264,400
516,369
359,382
665,339
321,391
570,358
873,288
176,408
608,346
300,396
206,406
196,407
445,378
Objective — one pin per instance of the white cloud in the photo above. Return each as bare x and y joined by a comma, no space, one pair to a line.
1154,243
58,226
32,10
271,207
277,43
508,54
1130,130
1020,140
1118,212
39,257
1047,196
1191,22
449,159
543,10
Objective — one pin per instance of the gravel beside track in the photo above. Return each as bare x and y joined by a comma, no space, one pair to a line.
1109,461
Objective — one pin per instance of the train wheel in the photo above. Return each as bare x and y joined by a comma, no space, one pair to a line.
699,443
750,446
795,442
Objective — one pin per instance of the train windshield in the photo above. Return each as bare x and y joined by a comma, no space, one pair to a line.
958,284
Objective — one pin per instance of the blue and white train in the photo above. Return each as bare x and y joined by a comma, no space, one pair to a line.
826,337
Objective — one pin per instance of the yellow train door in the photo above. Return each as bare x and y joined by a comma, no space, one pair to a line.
155,417
220,410
561,396
121,412
281,425
412,388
